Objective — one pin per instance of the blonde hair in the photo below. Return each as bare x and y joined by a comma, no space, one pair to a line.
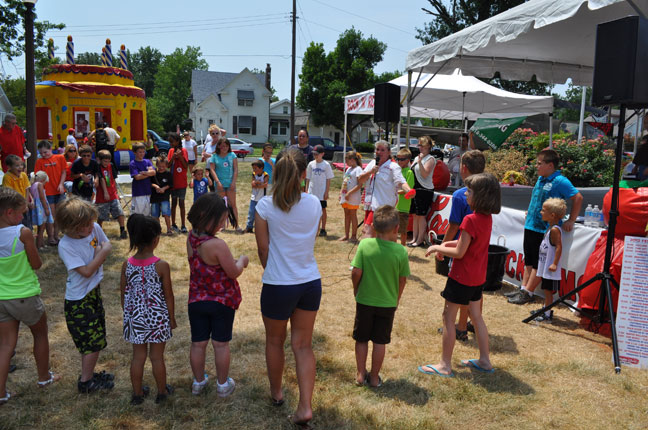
404,152
286,191
556,206
213,127
75,213
426,140
40,176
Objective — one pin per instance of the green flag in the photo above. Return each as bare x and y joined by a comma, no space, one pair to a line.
495,131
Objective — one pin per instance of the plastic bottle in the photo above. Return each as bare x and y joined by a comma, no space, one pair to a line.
601,220
588,216
596,216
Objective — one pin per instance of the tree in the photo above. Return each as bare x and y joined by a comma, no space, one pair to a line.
12,38
574,95
15,91
173,85
144,65
91,58
327,78
450,16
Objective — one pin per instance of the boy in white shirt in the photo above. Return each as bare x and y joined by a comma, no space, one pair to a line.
318,181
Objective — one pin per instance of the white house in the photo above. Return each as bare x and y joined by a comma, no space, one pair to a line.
237,102
5,105
280,121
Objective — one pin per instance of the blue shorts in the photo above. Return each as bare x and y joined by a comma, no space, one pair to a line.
164,207
56,199
210,319
278,302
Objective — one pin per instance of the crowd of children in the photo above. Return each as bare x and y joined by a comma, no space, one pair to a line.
379,269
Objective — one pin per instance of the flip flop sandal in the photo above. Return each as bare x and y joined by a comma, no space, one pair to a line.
53,378
276,402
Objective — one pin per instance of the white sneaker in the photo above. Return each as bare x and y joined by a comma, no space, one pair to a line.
227,389
197,387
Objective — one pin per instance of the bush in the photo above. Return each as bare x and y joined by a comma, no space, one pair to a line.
504,160
364,147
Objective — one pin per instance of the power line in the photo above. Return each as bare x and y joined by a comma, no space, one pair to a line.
365,18
307,27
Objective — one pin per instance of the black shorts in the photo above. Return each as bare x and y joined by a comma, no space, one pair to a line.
86,322
323,203
422,201
210,318
550,284
531,247
373,324
461,294
278,302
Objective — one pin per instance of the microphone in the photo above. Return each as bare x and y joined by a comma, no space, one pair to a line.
377,160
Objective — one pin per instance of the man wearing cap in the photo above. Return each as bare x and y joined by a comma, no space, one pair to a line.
318,181
71,140
190,145
12,140
384,180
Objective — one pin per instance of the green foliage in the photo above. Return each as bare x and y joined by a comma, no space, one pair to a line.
91,58
327,78
367,147
154,119
12,38
573,94
144,65
15,91
173,86
502,161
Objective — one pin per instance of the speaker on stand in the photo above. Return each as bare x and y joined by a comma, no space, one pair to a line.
387,105
620,71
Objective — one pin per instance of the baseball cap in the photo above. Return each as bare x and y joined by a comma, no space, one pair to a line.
318,149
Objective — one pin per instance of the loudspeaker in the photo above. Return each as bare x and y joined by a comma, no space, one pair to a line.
387,103
621,63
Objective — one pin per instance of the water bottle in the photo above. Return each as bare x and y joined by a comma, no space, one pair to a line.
601,220
596,216
588,216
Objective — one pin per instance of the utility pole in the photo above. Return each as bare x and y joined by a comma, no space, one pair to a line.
30,89
292,75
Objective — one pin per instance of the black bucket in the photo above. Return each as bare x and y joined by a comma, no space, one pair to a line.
442,267
495,268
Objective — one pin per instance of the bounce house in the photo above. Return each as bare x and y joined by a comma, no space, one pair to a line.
81,96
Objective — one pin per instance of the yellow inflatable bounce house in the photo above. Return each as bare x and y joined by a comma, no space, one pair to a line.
81,96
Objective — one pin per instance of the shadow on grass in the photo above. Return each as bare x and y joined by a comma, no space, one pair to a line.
404,391
502,344
421,282
499,382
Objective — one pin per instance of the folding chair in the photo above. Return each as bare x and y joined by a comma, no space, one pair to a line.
125,198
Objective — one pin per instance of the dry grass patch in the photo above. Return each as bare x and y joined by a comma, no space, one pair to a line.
557,376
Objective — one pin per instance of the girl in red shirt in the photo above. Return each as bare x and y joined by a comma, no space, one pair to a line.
468,273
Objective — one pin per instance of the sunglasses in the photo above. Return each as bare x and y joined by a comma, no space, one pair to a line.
72,150
401,159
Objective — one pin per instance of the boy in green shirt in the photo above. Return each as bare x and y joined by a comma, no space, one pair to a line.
380,270
403,159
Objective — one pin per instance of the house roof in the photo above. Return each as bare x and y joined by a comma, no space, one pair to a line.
204,83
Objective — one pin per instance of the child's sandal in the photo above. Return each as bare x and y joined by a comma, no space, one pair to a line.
53,378
461,335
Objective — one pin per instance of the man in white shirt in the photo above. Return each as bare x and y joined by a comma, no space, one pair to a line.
113,137
71,140
383,179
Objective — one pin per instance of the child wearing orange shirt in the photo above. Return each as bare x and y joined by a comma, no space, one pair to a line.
54,165
17,180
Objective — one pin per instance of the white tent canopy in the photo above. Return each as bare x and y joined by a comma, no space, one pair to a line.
455,96
551,39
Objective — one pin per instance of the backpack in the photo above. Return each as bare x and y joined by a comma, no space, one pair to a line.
101,138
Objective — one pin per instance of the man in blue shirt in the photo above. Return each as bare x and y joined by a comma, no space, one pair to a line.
550,184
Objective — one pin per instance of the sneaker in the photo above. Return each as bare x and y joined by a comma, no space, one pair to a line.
163,397
513,293
175,228
227,389
138,400
197,387
104,376
123,235
183,229
94,384
521,299
544,318
322,233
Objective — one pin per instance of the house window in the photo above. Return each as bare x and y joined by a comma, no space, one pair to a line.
245,124
279,128
245,97
285,109
211,121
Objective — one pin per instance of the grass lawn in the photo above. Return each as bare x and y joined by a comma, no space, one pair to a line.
547,377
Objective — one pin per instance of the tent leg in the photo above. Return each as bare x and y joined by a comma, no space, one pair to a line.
550,130
582,115
408,98
345,142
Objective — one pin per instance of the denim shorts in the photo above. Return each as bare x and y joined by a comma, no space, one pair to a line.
160,207
278,302
55,199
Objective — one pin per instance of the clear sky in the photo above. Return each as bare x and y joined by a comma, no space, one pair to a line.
232,34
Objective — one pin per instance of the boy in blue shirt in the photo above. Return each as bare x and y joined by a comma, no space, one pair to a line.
550,184
268,163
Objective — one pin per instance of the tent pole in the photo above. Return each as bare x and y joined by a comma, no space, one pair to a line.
550,130
463,111
344,144
398,135
637,129
408,98
582,115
